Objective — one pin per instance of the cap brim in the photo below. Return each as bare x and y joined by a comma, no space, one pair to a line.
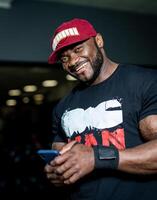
53,58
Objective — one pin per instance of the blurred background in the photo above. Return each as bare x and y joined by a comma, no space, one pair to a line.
30,87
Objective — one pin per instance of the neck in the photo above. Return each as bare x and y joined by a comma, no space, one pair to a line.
106,71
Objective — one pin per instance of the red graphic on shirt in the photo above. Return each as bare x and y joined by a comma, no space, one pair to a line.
115,138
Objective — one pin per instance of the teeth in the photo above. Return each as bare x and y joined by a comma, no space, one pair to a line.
80,67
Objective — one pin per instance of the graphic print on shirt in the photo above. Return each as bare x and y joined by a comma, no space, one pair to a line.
102,124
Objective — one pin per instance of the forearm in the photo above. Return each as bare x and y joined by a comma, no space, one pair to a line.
139,160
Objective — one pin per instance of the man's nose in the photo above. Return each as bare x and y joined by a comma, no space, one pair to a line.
74,59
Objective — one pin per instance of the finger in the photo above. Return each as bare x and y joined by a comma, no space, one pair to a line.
72,179
52,176
64,167
59,160
68,146
70,172
48,168
57,182
55,179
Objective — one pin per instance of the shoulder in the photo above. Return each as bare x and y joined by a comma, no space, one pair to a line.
139,69
139,73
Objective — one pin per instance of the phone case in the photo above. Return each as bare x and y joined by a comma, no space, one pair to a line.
48,155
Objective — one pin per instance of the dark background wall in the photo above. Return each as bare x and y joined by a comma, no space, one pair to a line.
26,29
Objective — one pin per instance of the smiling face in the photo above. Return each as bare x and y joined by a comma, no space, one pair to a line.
83,60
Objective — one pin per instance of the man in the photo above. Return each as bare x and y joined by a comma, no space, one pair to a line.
106,128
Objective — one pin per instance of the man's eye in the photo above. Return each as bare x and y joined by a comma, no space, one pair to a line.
64,59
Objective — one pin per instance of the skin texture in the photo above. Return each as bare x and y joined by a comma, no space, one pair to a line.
88,62
143,158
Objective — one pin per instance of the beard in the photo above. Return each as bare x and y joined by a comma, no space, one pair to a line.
96,65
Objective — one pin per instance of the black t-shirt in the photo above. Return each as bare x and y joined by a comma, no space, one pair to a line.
108,114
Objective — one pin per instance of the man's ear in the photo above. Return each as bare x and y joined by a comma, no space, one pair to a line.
99,40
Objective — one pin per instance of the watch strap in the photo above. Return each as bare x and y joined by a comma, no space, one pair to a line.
106,157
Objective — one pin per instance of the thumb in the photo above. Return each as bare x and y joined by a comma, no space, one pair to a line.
67,147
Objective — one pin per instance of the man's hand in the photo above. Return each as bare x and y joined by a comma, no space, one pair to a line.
74,162
50,170
52,176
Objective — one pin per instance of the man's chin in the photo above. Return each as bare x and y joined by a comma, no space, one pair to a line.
86,81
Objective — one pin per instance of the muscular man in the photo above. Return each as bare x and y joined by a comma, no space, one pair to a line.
106,127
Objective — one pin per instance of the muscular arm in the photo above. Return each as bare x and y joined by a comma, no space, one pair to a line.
77,161
143,158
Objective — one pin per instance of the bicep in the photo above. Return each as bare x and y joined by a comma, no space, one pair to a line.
148,127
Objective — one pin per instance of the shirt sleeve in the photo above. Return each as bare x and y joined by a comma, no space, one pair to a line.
149,106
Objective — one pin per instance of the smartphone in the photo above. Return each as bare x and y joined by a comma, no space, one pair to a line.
48,155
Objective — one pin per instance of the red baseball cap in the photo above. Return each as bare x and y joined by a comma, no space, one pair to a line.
70,32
